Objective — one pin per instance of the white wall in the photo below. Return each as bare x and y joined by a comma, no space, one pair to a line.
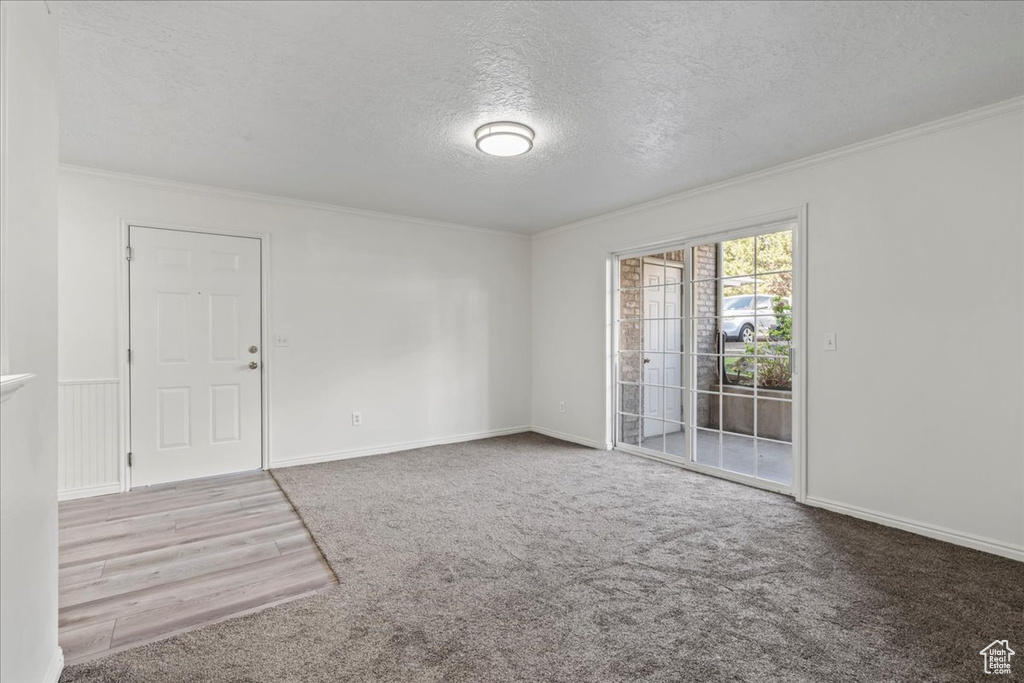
424,328
28,458
915,247
915,260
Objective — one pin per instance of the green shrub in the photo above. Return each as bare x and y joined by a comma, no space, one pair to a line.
770,360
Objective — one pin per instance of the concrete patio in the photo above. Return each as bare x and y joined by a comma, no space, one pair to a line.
774,460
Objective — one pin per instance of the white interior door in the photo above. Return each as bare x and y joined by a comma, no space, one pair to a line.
662,364
196,355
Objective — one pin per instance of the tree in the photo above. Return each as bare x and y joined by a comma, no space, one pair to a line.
774,252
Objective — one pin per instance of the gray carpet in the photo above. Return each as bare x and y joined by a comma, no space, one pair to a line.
527,559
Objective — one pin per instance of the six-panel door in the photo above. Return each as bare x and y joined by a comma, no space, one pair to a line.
662,363
196,356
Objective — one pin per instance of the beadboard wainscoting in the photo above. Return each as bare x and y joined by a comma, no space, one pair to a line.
89,438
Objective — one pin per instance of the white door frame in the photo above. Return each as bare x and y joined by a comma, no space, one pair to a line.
723,231
124,314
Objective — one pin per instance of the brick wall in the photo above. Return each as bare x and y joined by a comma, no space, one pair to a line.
631,342
705,294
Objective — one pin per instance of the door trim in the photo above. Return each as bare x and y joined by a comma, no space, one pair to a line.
723,231
123,316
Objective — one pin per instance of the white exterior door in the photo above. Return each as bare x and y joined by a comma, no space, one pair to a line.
196,355
662,343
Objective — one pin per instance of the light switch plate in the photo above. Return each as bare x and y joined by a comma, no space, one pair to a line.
830,341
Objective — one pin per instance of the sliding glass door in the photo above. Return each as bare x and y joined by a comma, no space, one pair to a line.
704,352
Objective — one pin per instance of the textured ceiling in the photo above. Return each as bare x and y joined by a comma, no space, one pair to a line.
373,105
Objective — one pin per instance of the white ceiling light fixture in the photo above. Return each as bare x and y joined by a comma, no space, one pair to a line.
504,139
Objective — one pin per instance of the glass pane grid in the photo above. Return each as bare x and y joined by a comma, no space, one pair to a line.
675,343
657,319
651,354
640,288
708,447
645,384
739,279
727,393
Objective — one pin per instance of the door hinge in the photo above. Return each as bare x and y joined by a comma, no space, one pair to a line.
129,459
128,253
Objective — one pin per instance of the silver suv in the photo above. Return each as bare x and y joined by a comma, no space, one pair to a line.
738,316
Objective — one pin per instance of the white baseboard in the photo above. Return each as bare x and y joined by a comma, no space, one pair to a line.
988,545
561,436
56,667
393,448
72,494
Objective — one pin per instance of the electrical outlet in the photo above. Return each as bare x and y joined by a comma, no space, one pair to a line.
357,419
281,340
830,341
561,406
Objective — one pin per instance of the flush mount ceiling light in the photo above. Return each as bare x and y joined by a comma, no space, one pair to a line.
504,139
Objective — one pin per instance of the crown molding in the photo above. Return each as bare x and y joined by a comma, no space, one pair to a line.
241,195
991,111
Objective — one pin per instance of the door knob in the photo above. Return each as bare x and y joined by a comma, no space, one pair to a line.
253,365
646,361
253,348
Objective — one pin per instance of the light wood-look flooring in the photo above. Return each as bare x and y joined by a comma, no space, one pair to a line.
140,566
